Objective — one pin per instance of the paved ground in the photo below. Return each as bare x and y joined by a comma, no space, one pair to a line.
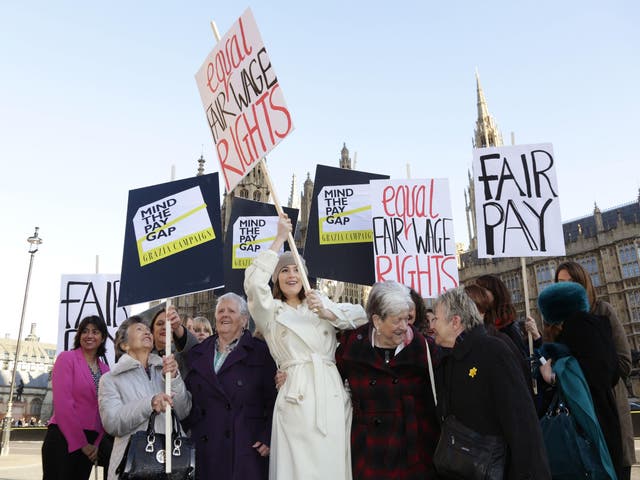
23,463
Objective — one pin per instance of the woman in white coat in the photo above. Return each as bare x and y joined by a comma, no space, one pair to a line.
135,387
310,437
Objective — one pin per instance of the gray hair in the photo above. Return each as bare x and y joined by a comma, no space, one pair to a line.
388,298
122,335
240,301
457,302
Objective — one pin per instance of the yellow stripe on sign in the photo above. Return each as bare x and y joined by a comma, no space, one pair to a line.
241,263
352,236
176,246
350,212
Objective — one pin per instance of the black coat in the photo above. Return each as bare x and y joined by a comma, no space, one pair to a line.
589,340
481,383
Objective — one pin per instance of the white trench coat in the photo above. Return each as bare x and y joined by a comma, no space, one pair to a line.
311,431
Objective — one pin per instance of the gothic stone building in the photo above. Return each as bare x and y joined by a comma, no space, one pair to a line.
606,244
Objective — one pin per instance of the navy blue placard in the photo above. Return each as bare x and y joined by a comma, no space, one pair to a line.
192,270
241,207
344,262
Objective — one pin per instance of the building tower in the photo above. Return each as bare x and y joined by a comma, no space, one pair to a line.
486,134
345,161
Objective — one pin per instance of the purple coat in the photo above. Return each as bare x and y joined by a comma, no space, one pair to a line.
231,409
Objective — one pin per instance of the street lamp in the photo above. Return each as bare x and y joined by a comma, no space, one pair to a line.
34,243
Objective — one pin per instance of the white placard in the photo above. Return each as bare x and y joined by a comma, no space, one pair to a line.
344,214
84,295
171,225
413,240
516,201
252,235
242,99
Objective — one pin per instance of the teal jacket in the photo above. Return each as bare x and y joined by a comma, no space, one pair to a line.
575,390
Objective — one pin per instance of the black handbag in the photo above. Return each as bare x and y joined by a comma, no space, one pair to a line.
463,453
144,457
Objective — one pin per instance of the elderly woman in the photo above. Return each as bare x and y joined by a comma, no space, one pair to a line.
135,387
481,386
231,382
312,416
586,338
395,427
70,447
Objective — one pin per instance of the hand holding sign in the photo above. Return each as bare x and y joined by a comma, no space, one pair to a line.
284,229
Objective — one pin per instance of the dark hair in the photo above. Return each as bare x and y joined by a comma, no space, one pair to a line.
502,313
579,275
155,317
101,326
277,293
421,310
482,297
122,335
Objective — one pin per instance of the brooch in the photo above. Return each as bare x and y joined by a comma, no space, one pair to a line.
472,372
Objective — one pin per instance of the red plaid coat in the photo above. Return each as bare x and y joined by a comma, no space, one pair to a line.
395,429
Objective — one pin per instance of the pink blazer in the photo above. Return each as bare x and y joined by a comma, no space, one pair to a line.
75,401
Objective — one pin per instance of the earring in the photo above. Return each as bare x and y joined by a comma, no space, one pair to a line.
377,331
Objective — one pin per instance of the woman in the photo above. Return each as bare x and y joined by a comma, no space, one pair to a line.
418,313
312,416
484,301
502,314
202,328
586,338
233,402
182,339
574,272
70,447
480,385
395,428
135,387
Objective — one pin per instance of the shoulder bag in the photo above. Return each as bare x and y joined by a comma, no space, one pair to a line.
571,454
464,454
144,457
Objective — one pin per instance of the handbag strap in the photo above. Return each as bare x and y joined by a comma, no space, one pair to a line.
176,428
431,376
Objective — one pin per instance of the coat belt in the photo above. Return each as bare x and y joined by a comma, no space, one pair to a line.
319,384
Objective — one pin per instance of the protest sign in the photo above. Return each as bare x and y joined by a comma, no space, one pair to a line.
252,229
173,240
85,295
344,214
338,243
516,202
242,99
413,239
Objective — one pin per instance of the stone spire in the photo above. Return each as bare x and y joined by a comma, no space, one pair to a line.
597,214
294,196
201,161
486,133
345,161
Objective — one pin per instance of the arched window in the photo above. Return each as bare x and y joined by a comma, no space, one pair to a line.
256,195
244,193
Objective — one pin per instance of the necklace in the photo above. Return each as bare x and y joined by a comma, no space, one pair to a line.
94,369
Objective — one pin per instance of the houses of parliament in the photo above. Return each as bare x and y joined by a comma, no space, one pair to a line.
605,242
